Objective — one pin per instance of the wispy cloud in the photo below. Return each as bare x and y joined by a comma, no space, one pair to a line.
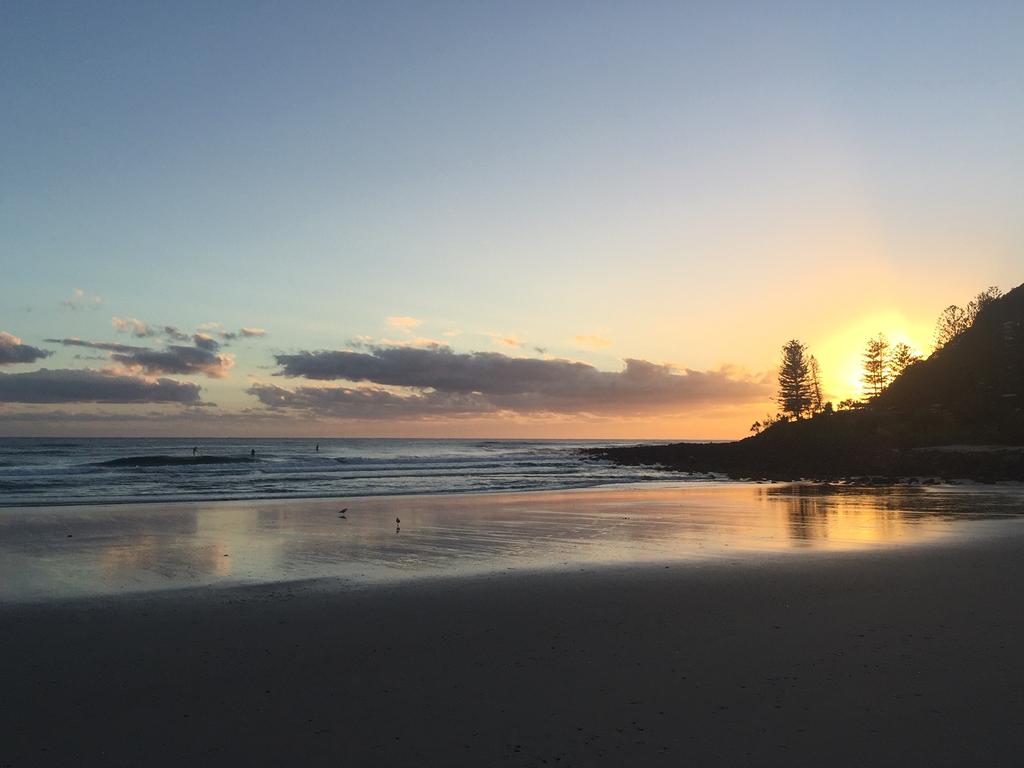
244,333
592,341
134,326
403,323
411,341
106,346
80,300
506,340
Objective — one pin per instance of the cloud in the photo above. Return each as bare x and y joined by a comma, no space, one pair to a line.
206,342
592,342
403,323
12,351
135,327
505,341
202,359
81,300
180,360
141,330
245,333
88,386
351,403
106,346
439,380
175,334
409,341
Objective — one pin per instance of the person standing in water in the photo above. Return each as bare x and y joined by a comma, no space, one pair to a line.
195,450
252,453
318,447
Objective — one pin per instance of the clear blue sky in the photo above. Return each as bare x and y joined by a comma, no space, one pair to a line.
603,181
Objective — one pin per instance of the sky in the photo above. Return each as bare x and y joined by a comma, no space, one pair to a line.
578,219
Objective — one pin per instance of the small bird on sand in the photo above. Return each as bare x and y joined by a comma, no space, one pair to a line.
398,524
341,514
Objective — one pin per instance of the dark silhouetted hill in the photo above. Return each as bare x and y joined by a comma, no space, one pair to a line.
971,390
958,414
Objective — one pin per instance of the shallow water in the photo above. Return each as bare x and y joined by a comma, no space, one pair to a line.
54,552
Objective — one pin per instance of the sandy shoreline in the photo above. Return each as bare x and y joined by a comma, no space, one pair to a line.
893,657
62,552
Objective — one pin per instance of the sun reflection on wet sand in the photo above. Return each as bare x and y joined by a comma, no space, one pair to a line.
68,551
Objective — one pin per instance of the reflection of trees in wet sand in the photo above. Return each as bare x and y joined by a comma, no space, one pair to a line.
807,520
813,515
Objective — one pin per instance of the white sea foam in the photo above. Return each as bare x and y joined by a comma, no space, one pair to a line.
45,471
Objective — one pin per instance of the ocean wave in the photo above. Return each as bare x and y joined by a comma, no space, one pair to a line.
35,472
172,461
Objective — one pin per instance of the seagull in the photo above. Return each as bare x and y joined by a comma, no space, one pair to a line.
341,514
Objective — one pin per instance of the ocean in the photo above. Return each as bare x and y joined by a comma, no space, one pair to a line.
53,471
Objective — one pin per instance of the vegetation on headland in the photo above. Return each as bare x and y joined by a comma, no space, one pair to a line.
957,414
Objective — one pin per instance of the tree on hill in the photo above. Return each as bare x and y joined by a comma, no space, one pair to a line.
951,323
984,299
760,426
973,389
817,400
954,320
876,366
900,358
795,380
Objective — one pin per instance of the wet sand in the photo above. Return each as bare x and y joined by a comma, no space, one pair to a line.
59,552
708,625
882,657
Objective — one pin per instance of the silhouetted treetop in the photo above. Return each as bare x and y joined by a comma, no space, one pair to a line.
954,320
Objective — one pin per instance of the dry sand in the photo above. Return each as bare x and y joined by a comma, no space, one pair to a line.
900,657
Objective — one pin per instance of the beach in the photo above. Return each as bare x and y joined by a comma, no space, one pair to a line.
901,647
863,659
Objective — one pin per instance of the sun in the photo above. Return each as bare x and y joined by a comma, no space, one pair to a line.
840,354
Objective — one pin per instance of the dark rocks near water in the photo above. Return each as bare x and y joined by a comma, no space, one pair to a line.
807,457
